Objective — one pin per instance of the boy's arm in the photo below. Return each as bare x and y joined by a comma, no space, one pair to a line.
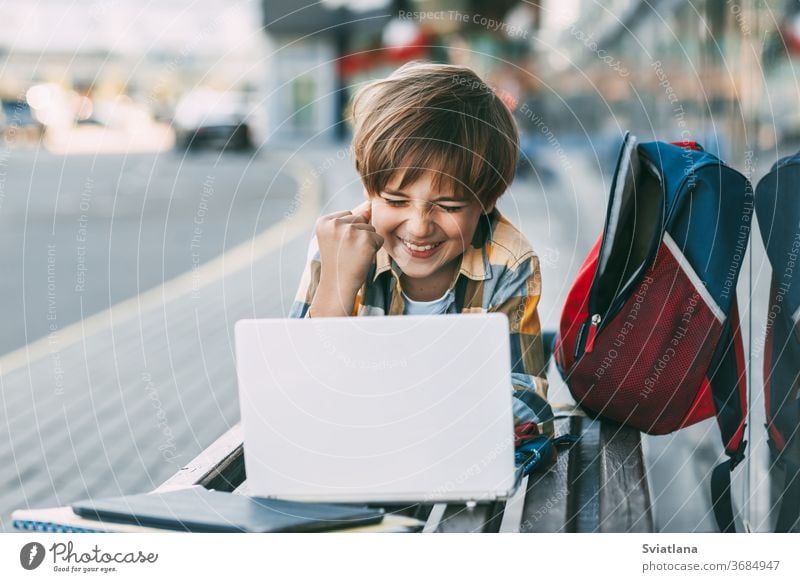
339,258
518,296
308,283
307,291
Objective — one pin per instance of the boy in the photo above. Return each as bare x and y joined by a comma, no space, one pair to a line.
435,148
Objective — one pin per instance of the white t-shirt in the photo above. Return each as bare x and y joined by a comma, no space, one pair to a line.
440,305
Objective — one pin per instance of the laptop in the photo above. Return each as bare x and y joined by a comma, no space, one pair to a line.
393,409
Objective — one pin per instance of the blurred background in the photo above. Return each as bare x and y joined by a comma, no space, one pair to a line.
162,164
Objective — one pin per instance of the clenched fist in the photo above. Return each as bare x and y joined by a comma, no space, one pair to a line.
348,244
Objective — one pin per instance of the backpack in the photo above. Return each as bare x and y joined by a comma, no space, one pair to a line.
778,211
649,335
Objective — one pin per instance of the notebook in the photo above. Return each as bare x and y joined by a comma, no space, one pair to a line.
64,520
201,510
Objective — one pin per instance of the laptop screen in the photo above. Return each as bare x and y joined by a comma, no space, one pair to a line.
406,408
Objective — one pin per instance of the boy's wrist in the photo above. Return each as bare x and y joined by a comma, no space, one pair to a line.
333,300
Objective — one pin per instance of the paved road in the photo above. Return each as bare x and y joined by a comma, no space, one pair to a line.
80,233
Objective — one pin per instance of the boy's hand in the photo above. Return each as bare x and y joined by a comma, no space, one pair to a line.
347,246
364,210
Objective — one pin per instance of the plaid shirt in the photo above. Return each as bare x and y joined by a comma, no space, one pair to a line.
499,273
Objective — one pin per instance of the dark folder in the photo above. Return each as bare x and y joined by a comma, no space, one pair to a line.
201,510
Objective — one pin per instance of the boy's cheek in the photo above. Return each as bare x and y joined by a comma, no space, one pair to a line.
384,232
381,222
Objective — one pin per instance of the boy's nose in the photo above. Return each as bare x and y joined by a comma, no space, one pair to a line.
419,224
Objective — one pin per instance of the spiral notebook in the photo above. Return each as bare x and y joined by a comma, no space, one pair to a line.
64,520
200,510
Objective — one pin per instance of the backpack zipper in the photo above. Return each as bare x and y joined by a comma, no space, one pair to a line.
596,318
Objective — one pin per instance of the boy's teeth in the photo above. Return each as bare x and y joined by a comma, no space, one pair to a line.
414,247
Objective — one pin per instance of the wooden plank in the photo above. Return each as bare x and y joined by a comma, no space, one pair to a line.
598,485
624,495
584,475
494,516
545,507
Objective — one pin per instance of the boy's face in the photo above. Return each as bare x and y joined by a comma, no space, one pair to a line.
423,230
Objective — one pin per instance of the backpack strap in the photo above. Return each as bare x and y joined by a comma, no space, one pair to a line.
727,378
721,493
789,499
781,385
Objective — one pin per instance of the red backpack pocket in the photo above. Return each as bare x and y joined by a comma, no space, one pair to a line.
640,376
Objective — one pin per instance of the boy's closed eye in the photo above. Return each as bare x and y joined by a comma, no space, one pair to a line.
393,202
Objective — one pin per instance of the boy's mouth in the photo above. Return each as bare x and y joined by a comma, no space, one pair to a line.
421,251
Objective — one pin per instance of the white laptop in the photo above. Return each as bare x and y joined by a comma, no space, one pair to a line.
377,409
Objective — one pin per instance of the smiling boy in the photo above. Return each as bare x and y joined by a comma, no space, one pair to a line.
435,148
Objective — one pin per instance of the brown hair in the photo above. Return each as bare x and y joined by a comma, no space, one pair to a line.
434,118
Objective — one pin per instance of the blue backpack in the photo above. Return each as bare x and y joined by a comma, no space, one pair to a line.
778,212
649,334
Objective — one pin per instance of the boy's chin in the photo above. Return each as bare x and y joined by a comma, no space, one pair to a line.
414,272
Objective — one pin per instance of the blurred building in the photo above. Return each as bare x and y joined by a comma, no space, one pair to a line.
306,46
726,70
319,53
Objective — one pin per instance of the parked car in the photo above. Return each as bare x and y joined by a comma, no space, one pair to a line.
212,119
17,116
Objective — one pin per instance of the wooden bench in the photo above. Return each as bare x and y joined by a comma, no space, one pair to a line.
598,485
